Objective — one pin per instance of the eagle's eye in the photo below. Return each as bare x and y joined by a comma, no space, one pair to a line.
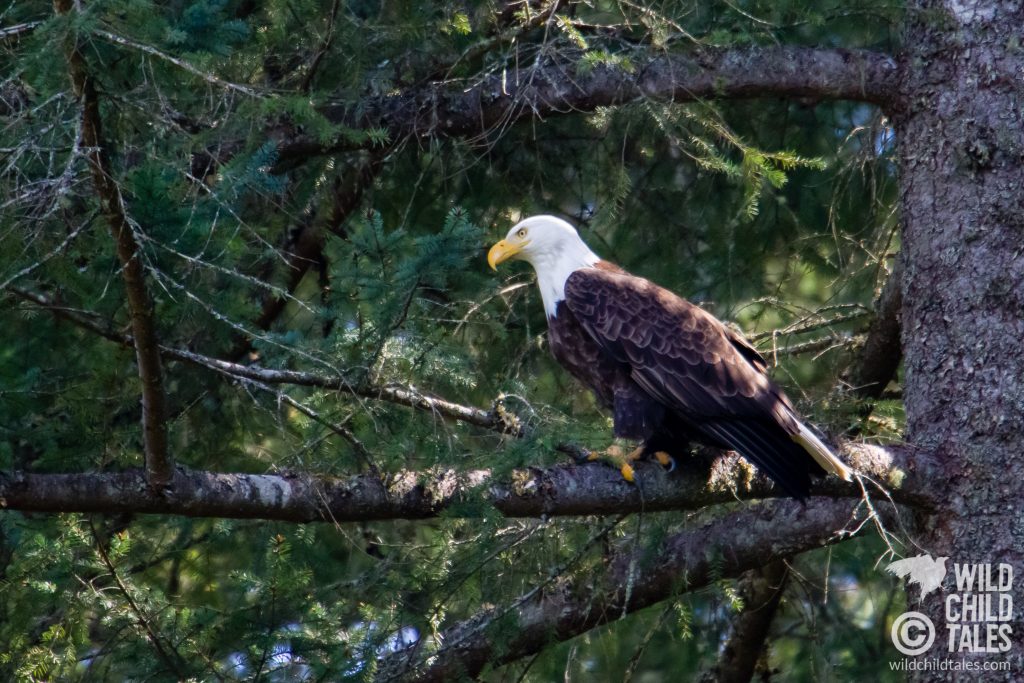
522,233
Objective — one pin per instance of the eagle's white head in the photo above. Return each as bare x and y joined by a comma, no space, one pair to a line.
552,247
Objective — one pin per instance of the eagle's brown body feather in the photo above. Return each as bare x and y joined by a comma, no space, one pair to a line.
671,373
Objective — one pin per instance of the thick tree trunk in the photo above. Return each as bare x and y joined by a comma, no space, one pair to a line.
961,136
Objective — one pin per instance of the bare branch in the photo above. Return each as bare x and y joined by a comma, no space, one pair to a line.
180,63
140,306
15,31
56,251
562,490
456,108
835,341
813,323
495,418
723,548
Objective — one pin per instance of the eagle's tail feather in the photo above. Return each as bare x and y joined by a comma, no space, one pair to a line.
824,456
768,447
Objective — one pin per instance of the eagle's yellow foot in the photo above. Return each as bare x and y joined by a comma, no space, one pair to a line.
616,455
665,460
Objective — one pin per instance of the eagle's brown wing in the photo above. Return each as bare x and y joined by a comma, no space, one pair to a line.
695,366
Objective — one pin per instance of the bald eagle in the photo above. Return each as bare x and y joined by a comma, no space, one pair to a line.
670,372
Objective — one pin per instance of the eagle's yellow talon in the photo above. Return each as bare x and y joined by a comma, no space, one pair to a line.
617,456
663,458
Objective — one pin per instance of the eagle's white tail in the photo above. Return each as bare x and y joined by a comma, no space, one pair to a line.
821,453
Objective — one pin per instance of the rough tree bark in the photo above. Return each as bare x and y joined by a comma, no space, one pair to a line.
961,138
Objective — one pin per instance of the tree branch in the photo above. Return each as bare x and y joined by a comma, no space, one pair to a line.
306,244
568,606
180,63
457,108
167,654
154,425
880,356
761,589
561,490
496,418
17,30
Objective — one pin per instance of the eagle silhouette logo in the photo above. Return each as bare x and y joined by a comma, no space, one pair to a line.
923,570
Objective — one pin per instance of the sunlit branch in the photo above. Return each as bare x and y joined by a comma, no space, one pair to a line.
837,341
563,490
812,323
10,32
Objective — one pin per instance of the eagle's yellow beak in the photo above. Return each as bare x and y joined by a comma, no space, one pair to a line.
503,251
